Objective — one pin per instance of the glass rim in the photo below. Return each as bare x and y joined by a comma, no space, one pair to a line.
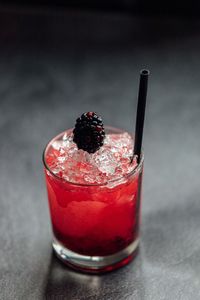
126,176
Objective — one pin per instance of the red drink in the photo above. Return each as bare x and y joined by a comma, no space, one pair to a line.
94,201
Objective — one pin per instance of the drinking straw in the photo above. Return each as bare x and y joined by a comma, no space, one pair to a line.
141,105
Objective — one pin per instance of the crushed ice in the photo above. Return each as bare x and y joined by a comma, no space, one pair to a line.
110,162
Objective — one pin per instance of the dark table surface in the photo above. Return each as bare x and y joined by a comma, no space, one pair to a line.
53,66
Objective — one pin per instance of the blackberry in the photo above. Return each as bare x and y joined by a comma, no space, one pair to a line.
89,132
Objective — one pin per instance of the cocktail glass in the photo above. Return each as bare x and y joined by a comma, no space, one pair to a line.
95,226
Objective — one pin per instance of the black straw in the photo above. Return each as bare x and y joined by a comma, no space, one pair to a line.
142,95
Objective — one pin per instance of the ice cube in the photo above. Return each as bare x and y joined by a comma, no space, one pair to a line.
57,145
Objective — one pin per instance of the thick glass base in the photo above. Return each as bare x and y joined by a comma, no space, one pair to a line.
95,264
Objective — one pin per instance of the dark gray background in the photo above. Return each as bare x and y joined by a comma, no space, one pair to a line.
54,66
176,7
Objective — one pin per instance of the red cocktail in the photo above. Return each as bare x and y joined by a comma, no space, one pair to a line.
94,201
